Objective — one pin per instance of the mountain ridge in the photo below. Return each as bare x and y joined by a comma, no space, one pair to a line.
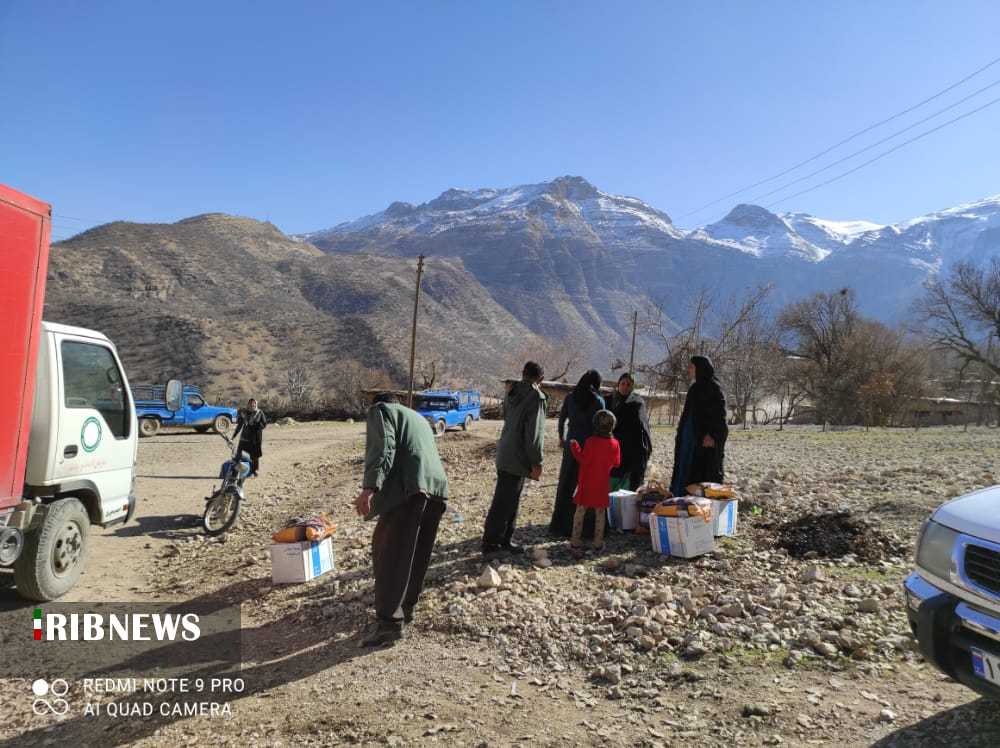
795,252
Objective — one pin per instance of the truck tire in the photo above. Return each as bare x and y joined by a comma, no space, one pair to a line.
467,423
222,424
440,427
55,553
149,427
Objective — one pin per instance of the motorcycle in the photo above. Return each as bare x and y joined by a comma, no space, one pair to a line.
223,506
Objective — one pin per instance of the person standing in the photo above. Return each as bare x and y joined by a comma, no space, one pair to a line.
633,434
576,421
597,458
519,456
405,488
700,445
250,425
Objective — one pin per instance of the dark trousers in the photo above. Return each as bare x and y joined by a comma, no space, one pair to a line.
401,553
564,509
253,450
502,517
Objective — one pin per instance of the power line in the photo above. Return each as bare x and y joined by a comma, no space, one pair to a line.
877,143
848,139
886,153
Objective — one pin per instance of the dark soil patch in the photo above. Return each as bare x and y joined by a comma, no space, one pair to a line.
835,535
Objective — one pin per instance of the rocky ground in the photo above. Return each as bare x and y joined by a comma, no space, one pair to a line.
767,641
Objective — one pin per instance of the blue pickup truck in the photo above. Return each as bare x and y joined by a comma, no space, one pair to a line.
152,411
447,408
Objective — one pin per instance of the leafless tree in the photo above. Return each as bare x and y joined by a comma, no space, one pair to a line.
960,313
429,377
741,339
298,385
557,357
850,369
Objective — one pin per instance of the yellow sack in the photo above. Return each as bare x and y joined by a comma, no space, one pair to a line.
684,508
310,529
718,491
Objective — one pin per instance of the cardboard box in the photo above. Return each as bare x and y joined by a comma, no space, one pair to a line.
725,513
300,562
685,537
623,510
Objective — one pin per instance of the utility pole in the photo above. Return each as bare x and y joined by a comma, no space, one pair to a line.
413,336
631,356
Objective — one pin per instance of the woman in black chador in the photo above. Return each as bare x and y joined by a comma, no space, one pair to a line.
250,429
700,445
576,422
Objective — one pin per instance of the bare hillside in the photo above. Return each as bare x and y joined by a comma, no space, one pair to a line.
234,304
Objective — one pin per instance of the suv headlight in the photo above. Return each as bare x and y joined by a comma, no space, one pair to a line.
935,548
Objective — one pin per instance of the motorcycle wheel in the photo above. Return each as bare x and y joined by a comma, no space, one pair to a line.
221,511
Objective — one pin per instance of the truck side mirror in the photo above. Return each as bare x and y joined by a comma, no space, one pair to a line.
175,395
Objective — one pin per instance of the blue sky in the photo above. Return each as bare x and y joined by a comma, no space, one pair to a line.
307,114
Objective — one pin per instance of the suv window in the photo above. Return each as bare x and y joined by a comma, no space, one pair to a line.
91,379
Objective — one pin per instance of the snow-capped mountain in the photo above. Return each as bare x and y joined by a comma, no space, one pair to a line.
571,261
758,232
966,232
567,207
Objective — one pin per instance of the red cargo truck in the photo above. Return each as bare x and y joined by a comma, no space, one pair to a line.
68,432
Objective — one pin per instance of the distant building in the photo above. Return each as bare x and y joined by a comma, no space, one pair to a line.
946,411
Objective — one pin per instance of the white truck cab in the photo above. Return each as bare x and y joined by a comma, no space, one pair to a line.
81,457
953,597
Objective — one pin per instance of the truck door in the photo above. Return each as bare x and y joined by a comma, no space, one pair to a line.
197,412
96,441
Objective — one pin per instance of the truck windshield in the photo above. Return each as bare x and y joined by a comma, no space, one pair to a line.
433,403
92,380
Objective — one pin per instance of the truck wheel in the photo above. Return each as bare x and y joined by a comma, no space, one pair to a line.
149,427
439,427
467,423
222,424
55,553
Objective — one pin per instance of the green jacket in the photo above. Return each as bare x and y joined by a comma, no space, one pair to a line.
523,436
401,458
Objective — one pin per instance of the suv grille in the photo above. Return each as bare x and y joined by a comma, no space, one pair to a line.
982,566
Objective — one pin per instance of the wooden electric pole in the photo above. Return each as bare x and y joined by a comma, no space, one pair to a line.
631,356
413,336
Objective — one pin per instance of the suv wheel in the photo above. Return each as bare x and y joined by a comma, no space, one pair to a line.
467,423
439,427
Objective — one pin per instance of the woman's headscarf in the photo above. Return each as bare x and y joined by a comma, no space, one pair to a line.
703,369
585,392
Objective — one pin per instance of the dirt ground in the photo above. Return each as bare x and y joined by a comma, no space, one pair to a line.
466,678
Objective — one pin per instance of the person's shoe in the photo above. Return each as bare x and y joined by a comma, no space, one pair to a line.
385,634
492,549
512,548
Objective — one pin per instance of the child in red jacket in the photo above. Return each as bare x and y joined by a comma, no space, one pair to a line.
598,456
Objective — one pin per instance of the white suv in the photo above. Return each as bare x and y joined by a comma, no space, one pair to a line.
953,598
